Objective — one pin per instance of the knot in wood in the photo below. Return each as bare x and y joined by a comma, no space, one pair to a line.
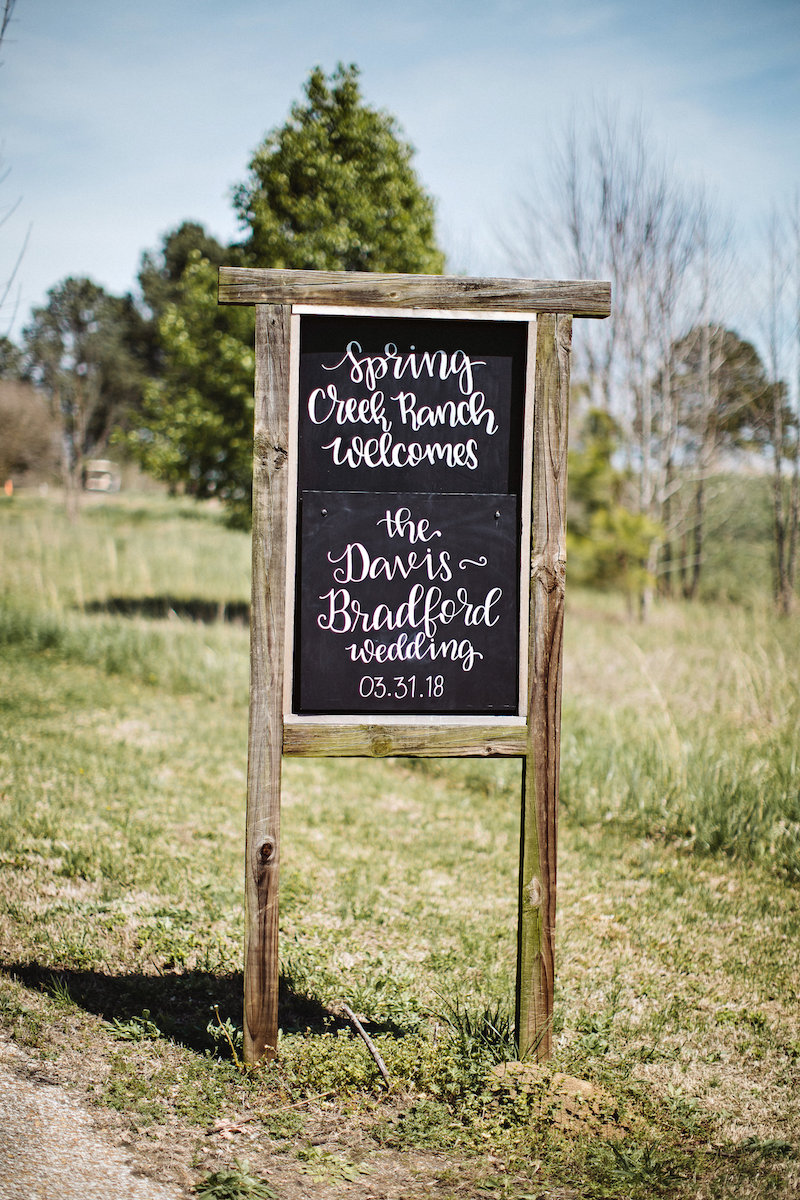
534,893
267,453
551,576
267,851
565,335
380,746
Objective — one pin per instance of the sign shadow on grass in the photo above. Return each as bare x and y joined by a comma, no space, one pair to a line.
180,1006
162,608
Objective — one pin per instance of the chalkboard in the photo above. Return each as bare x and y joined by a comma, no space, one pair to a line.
409,479
409,603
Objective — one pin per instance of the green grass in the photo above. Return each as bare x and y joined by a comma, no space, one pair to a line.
168,567
687,729
738,540
122,789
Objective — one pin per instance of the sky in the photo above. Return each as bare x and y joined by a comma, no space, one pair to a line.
120,120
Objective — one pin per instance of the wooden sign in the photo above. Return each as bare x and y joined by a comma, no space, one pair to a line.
409,552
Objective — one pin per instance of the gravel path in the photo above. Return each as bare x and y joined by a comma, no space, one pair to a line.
48,1147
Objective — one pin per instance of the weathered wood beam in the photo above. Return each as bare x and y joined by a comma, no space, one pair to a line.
537,882
251,285
267,628
437,738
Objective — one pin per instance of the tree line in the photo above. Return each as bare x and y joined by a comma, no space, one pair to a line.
169,373
666,393
672,393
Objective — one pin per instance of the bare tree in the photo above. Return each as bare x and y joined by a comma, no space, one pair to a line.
6,13
703,396
794,502
613,207
782,338
29,447
5,17
585,220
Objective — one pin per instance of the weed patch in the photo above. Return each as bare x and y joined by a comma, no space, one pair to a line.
234,1183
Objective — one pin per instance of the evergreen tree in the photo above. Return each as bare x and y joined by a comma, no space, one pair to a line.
334,189
196,430
161,271
723,401
11,360
331,189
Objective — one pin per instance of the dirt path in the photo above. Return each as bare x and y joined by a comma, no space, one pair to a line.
49,1147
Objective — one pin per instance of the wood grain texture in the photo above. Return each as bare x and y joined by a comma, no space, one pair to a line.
435,739
249,285
537,896
267,627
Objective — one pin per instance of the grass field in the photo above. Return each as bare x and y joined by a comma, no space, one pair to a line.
123,690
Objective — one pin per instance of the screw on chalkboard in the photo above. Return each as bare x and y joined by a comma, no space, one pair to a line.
497,515
324,512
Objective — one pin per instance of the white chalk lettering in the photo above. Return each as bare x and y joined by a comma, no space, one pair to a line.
424,608
357,564
416,649
325,403
450,413
369,369
383,451
400,524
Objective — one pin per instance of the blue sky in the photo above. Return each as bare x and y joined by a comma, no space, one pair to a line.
120,120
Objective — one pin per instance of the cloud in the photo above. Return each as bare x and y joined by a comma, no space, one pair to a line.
126,119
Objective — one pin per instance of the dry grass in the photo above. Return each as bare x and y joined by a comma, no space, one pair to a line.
121,817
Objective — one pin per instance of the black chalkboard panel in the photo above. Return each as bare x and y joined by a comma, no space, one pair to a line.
409,479
407,603
400,404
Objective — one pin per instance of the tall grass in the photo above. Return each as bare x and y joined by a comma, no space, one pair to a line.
64,585
684,728
127,546
687,728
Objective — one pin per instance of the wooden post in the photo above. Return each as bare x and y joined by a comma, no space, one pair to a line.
537,881
267,625
532,733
